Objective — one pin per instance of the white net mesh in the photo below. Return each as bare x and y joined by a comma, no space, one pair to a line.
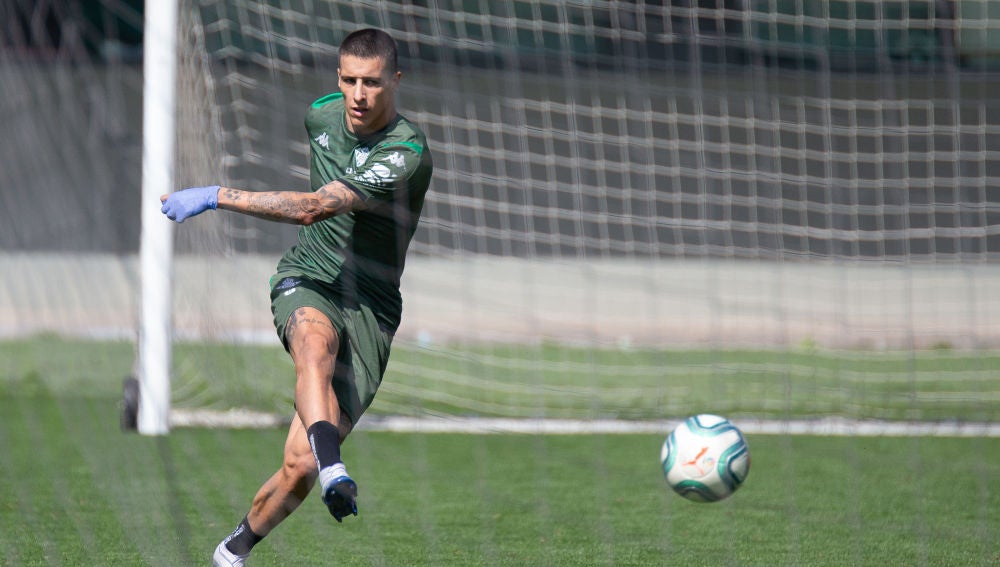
618,177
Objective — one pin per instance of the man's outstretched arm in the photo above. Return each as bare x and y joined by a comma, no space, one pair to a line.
293,207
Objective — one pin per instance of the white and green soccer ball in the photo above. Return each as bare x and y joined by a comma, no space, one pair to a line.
705,458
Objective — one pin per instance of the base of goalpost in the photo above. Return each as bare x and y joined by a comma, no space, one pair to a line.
129,407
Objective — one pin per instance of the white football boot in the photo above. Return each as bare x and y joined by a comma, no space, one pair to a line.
225,558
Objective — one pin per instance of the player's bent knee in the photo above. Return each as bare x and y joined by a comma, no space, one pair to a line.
313,351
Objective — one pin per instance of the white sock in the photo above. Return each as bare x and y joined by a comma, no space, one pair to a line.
327,474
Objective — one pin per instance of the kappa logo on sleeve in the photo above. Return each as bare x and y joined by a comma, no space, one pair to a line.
397,159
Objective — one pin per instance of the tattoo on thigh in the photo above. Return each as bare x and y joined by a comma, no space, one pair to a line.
301,316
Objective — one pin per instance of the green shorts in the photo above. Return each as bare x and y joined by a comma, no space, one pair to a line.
364,345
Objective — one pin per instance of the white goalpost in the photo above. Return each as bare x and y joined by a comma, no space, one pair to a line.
156,246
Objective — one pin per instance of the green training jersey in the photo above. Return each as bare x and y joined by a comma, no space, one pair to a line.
361,254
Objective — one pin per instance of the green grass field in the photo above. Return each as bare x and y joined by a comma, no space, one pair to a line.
75,490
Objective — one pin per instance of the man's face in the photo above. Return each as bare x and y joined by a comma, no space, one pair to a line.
369,93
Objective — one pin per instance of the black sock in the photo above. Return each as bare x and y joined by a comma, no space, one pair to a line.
325,441
242,540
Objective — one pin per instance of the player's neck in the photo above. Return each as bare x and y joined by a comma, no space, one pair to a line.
375,128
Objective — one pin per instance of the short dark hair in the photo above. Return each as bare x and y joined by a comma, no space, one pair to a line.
371,43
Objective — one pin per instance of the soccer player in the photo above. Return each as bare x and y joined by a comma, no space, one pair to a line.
335,296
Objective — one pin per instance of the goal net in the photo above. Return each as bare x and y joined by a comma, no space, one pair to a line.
614,179
640,210
784,212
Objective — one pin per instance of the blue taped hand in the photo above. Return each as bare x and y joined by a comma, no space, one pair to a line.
187,203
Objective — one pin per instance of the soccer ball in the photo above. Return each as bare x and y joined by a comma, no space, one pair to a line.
705,458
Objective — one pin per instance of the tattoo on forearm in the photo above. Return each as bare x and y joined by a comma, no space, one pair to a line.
271,205
233,194
289,206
